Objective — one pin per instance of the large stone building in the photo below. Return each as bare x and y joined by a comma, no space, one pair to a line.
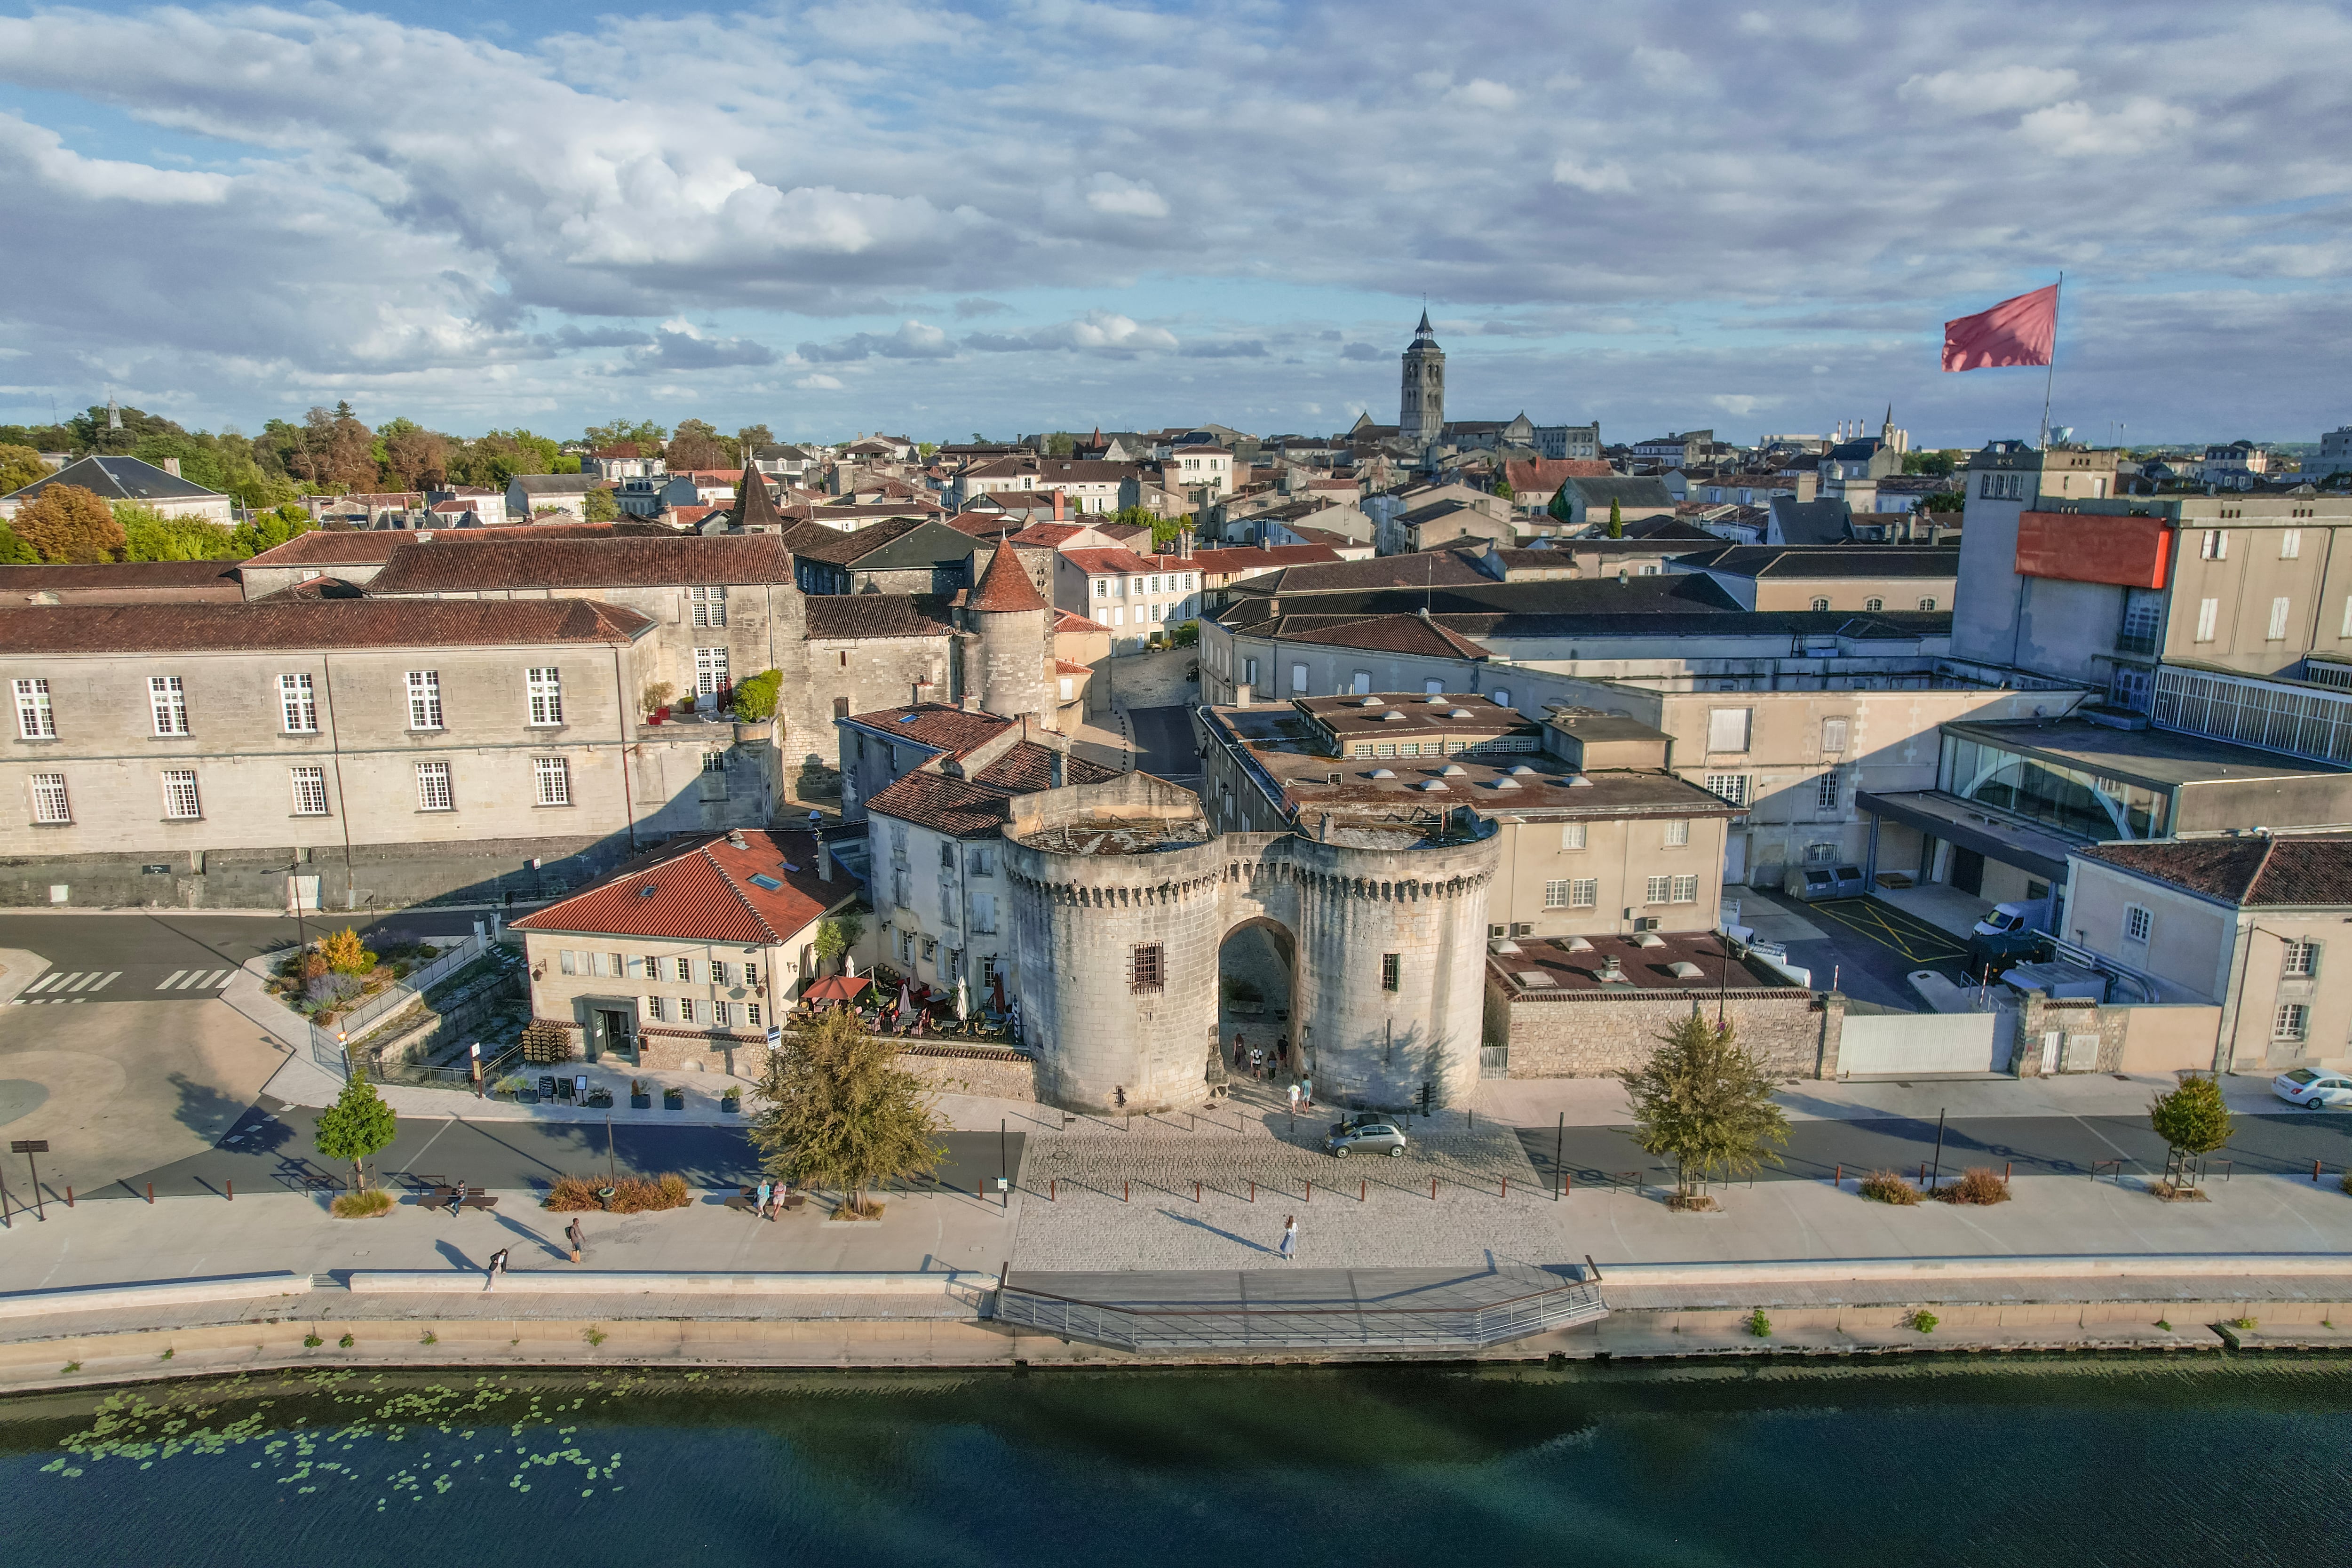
1421,405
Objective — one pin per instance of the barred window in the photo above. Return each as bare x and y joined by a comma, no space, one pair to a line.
553,776
545,689
309,791
432,787
1391,971
181,803
298,704
1825,793
424,700
34,719
49,804
168,699
1145,967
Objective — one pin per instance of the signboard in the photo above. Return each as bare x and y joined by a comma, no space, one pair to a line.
30,1146
776,1037
157,868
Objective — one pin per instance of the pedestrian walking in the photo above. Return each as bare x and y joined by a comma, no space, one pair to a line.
1290,1239
1306,1092
1240,1057
759,1209
579,1240
497,1265
1257,1062
1282,1050
1294,1099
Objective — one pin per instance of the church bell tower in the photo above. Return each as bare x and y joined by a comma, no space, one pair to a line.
1421,405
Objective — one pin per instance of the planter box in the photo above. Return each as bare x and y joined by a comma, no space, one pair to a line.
673,1102
730,1106
641,1102
527,1097
753,733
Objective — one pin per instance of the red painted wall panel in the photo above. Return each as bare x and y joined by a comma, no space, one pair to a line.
2077,547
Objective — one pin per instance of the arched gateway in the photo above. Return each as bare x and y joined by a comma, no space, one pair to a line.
1122,894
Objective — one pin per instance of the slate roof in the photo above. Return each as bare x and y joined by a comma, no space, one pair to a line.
1813,522
854,548
557,484
1005,587
118,478
703,891
434,567
205,627
1394,634
754,508
2288,872
1599,490
850,617
124,576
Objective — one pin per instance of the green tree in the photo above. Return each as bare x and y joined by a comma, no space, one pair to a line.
842,1112
1560,506
90,432
2193,1121
1616,518
1503,488
699,446
1938,464
1948,500
15,551
1060,444
837,934
755,696
417,457
20,466
598,505
269,529
751,438
68,523
1704,1101
644,435
149,536
357,1125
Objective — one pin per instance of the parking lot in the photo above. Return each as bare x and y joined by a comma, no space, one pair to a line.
1864,947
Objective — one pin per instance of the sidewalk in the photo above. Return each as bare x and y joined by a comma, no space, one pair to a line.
1601,1102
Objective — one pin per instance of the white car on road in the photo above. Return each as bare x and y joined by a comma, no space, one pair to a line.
2319,1090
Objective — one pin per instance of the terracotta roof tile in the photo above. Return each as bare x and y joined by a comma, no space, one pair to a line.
561,564
706,891
1005,587
1071,621
941,726
309,624
848,617
2273,872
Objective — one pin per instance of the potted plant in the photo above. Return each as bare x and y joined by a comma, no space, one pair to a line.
600,1099
654,700
686,704
638,1099
672,1098
732,1101
512,1086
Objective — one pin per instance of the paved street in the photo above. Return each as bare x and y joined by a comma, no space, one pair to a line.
2035,1145
1164,743
172,956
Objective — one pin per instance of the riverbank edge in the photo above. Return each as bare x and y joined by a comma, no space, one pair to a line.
70,1360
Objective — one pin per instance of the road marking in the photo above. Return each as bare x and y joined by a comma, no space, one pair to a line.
83,980
45,981
165,985
219,979
110,980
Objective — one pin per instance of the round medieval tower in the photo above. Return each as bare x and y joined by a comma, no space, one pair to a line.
1007,643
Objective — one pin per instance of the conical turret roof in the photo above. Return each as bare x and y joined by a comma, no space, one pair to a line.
1004,586
753,509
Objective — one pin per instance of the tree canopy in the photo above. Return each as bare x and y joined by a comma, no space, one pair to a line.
1705,1102
2193,1118
20,466
68,523
699,446
842,1112
357,1125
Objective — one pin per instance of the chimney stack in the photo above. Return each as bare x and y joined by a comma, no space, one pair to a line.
1184,544
824,860
1057,775
1323,829
1059,502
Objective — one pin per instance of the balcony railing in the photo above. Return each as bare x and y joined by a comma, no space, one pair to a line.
2300,719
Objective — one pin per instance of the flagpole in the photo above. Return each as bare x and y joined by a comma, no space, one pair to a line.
2052,378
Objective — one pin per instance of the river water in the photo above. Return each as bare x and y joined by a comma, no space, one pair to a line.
2220,1461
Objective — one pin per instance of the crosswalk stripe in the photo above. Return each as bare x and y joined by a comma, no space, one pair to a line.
45,982
83,980
165,985
222,983
110,980
194,976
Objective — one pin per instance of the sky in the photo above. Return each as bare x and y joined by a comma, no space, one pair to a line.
941,219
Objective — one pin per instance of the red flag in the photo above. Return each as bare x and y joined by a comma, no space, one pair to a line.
2015,332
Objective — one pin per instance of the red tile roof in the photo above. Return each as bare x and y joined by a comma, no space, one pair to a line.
313,624
561,564
1005,587
2260,872
1071,621
850,617
979,807
705,891
941,726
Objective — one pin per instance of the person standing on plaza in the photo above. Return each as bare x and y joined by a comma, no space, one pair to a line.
759,1209
1241,1057
1290,1239
1306,1092
1294,1099
579,1240
1257,1061
497,1265
1282,1049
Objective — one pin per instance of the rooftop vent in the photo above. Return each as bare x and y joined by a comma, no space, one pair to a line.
1612,972
1432,786
1368,702
1382,773
1578,781
647,891
1649,938
1504,946
1519,770
1392,719
1574,944
1459,714
1454,770
1506,783
1534,977
1437,700
1684,968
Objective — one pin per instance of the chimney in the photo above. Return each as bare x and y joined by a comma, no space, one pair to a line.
1323,829
1184,544
735,839
824,860
1057,775
172,466
1059,515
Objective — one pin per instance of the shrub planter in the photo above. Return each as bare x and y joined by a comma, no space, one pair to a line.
753,732
641,1102
731,1103
673,1100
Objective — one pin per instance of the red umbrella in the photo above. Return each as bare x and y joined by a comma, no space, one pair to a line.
838,988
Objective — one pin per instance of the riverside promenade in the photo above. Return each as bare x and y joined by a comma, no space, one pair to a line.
2073,1260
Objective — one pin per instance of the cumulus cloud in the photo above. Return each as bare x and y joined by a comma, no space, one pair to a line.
679,345
1103,333
1125,198
913,339
819,383
1991,90
2076,129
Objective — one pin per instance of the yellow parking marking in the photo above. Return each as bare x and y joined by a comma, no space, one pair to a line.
1883,922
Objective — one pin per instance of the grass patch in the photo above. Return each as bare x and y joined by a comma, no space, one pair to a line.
631,1194
70,1368
2165,1323
361,1205
346,1342
2244,1325
1759,1324
594,1337
1924,1321
311,1341
167,1354
1888,1187
1978,1185
859,1208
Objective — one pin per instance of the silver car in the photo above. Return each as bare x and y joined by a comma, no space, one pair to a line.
1371,1136
2317,1090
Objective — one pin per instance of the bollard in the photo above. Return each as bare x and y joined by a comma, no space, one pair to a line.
1568,1180
232,1191
1310,1190
1433,1189
1841,1175
2315,1170
979,1190
1052,1189
151,1193
1253,1192
1127,1192
2005,1171
1506,1186
69,1197
1923,1173
1196,1191
1363,1192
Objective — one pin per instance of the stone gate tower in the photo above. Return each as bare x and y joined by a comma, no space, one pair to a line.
1420,408
1008,641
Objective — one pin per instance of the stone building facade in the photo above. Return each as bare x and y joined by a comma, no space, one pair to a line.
1123,893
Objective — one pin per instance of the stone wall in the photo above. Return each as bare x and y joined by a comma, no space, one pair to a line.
956,1069
2043,1024
1792,1032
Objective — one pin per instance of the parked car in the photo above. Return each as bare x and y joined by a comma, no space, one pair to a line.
2010,919
1372,1135
2319,1090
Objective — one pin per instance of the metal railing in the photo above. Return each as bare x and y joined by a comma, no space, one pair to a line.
458,1077
327,1044
1289,1325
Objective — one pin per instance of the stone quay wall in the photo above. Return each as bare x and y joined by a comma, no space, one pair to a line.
1792,1032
